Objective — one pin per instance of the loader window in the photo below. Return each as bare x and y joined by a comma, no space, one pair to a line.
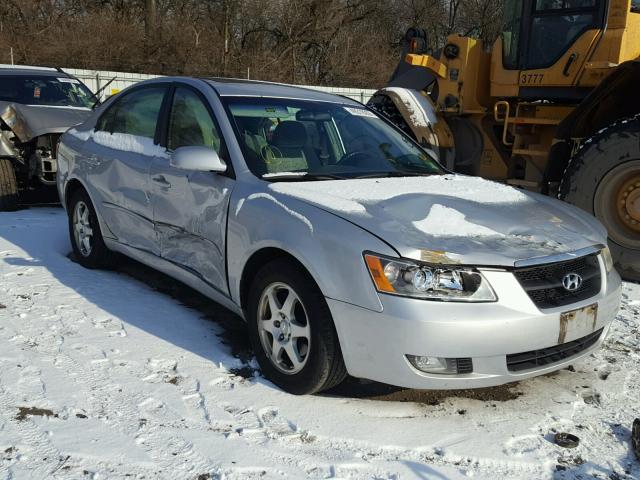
511,33
555,26
538,34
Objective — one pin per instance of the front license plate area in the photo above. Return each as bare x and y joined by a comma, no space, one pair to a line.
577,323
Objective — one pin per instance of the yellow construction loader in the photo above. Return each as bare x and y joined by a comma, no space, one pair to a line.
554,107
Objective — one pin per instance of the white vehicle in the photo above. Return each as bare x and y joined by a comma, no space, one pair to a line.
37,105
341,242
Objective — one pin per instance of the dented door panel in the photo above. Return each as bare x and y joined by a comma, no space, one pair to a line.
121,182
190,212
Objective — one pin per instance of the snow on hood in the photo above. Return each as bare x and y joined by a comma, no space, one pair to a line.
30,121
460,219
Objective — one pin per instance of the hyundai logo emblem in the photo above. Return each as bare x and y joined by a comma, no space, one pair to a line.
572,282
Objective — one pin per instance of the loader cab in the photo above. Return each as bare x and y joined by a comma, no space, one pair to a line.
537,33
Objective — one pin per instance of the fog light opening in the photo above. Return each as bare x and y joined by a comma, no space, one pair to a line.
440,365
433,364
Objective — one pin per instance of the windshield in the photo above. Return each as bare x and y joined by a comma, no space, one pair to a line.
45,90
285,139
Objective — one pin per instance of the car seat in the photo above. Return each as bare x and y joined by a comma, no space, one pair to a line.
291,140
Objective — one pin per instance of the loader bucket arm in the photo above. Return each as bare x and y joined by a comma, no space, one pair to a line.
410,76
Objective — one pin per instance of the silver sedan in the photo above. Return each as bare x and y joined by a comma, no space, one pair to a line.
343,244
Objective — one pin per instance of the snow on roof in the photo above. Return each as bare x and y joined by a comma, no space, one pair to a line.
122,141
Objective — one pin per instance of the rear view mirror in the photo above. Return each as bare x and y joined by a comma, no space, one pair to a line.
200,159
313,116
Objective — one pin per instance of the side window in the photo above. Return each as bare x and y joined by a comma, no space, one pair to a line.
190,124
135,114
557,24
105,122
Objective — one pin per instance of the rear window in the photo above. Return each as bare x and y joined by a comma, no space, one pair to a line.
45,90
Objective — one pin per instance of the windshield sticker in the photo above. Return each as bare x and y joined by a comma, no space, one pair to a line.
36,92
69,80
360,112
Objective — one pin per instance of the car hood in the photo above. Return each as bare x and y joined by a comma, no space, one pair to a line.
30,121
454,218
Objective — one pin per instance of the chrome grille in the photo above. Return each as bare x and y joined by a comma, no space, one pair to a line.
543,283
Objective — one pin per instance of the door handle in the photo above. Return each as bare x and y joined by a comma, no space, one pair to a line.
160,180
570,60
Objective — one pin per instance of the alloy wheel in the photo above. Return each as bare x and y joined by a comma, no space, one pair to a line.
284,329
82,228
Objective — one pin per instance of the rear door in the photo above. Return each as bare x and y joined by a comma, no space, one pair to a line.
190,208
121,152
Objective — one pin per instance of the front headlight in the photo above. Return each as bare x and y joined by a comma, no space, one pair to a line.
430,282
607,258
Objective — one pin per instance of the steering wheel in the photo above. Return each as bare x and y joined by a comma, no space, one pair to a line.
270,152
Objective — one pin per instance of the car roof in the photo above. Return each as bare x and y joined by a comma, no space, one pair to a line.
231,87
13,70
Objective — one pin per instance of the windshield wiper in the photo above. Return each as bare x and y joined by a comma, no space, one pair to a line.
395,173
97,94
307,177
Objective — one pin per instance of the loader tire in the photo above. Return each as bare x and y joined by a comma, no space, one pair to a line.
8,186
603,178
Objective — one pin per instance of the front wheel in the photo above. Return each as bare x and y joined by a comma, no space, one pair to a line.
291,330
603,178
84,232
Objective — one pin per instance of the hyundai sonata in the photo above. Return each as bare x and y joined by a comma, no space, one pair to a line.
342,243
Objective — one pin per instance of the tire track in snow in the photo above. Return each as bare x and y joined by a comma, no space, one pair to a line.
40,449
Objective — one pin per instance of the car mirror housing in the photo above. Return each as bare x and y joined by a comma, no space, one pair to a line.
201,159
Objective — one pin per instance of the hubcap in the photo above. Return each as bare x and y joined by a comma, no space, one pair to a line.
617,203
284,328
629,202
82,229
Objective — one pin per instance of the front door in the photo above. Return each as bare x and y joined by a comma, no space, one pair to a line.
190,208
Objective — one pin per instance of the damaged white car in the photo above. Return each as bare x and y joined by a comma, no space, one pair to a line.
37,105
343,244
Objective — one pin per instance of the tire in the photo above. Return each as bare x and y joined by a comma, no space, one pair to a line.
8,186
80,211
603,178
320,365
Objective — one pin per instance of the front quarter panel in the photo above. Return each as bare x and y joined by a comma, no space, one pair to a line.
329,247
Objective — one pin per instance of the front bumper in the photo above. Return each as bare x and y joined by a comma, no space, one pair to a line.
375,344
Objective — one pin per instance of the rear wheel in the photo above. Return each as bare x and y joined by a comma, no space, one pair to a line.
291,330
8,186
84,232
603,178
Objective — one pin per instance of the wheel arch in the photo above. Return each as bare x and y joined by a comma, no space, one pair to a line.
260,258
72,186
614,98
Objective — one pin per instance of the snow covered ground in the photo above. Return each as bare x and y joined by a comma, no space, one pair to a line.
125,374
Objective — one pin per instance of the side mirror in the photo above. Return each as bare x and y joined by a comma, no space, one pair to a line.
200,159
